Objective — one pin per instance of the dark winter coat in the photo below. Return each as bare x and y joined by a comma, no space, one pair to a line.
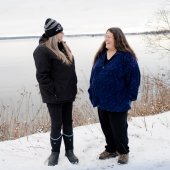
114,85
57,80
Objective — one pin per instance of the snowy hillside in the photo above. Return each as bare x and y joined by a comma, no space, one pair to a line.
149,143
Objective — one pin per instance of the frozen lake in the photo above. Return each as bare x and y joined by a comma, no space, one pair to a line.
17,70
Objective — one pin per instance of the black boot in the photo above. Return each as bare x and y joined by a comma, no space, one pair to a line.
55,144
68,141
71,157
53,159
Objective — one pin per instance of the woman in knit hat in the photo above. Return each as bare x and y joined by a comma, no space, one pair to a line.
55,73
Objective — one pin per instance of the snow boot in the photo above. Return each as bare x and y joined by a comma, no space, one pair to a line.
55,144
106,155
53,159
68,141
71,157
123,158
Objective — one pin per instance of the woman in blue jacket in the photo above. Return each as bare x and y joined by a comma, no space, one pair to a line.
114,84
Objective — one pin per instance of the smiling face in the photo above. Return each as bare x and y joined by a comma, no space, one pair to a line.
109,40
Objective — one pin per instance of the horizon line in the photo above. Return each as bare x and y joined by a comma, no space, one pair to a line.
86,34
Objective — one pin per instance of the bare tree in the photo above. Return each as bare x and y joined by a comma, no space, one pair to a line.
159,38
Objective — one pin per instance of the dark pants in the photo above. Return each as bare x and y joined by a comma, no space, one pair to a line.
114,126
61,117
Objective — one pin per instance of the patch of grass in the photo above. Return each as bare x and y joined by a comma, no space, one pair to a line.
25,118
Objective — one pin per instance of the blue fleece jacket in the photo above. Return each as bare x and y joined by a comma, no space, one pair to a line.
114,85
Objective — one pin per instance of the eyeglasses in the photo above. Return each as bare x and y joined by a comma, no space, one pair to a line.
108,37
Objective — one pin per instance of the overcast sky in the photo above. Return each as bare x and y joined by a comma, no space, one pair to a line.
21,17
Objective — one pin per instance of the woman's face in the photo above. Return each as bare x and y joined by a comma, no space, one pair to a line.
60,36
109,40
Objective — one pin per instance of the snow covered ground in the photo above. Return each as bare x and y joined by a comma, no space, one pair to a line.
149,137
149,143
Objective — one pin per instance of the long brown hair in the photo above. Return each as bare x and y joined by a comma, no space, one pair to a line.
121,43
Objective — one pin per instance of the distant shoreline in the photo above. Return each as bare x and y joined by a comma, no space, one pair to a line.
87,35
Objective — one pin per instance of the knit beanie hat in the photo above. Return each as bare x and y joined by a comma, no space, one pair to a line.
52,27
